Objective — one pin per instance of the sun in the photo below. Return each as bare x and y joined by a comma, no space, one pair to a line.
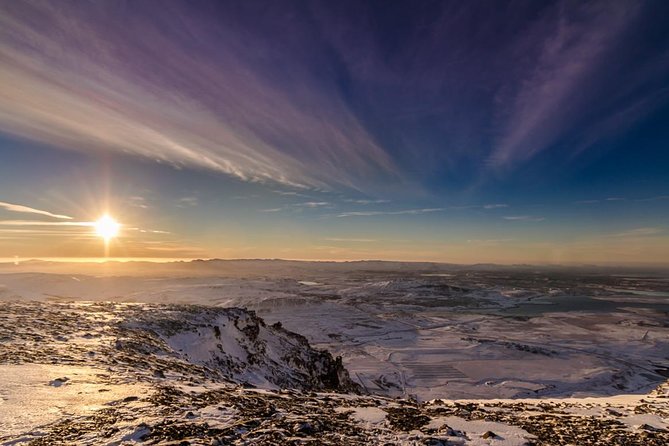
106,227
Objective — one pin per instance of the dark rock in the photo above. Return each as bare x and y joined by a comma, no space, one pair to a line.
304,428
59,381
406,418
489,434
435,442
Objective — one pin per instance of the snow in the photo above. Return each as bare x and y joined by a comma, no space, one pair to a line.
432,334
452,336
366,415
505,435
29,397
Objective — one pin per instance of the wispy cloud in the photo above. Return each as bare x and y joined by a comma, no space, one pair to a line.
74,76
489,242
656,198
187,201
296,207
523,218
604,200
28,210
15,231
402,212
495,206
153,231
289,193
616,199
345,106
44,223
639,232
351,240
363,201
138,202
574,43
313,204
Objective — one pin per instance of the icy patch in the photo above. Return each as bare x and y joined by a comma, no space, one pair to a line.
31,390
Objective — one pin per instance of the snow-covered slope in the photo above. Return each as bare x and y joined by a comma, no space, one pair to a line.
233,343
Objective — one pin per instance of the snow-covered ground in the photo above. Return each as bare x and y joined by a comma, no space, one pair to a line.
33,395
497,338
420,332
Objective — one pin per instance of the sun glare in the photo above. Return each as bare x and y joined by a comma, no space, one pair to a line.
106,227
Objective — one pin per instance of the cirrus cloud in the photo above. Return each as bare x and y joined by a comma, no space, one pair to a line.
28,210
85,77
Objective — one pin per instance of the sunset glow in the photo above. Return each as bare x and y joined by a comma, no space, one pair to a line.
107,228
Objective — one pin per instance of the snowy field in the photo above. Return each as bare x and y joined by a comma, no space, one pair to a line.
423,330
120,374
141,353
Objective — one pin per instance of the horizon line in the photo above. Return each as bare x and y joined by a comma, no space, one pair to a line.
16,260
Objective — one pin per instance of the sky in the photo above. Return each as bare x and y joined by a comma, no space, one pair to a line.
464,132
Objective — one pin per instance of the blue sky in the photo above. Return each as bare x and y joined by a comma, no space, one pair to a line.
444,131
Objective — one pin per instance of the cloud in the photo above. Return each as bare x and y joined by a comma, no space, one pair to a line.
138,202
173,249
523,218
61,227
187,201
325,100
351,240
35,228
28,210
30,231
313,204
350,200
656,198
45,223
489,242
289,193
639,232
191,94
298,206
403,212
153,231
565,49
495,206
